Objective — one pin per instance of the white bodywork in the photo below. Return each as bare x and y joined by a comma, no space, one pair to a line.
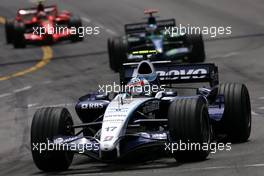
115,120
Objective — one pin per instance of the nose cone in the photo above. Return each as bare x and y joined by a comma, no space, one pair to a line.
107,146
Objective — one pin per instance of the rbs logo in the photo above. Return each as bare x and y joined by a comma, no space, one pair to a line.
92,105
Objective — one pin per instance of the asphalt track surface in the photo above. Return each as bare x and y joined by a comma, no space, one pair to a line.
78,68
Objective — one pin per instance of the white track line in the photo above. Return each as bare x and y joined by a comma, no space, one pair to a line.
254,113
109,31
255,165
22,89
87,20
32,105
5,95
15,91
225,55
230,54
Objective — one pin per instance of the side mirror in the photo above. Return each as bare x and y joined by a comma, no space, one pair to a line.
213,94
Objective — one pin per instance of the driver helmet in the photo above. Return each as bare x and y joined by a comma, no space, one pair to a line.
42,15
138,86
151,28
152,25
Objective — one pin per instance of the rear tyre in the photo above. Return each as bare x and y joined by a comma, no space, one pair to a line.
19,40
189,124
117,51
76,23
236,121
9,28
197,48
48,123
110,50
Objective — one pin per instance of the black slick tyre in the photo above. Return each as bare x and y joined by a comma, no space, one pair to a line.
189,125
9,28
236,121
48,123
19,40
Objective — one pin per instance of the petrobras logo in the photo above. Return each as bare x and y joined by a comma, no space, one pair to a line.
183,74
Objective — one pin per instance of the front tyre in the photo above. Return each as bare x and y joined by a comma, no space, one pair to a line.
19,40
236,121
189,125
48,123
9,28
110,49
76,22
117,51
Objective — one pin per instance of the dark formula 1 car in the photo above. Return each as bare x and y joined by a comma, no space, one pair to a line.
144,119
152,35
43,25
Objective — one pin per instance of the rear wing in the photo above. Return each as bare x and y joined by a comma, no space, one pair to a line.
141,27
31,11
172,73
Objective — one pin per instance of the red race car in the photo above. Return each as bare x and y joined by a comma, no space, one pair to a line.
44,25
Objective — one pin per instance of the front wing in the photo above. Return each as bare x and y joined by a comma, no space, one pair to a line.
127,144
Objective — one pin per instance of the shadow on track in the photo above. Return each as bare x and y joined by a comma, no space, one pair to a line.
88,167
